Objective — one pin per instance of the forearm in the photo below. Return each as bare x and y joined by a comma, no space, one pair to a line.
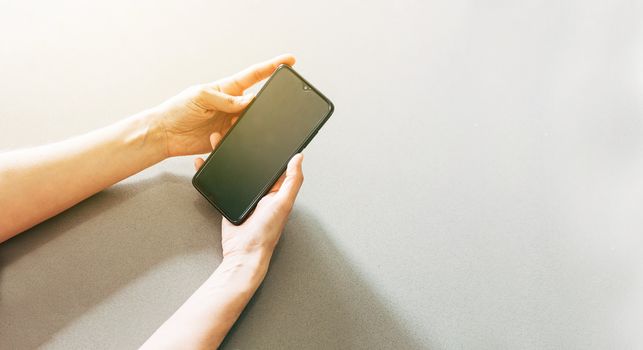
40,182
206,317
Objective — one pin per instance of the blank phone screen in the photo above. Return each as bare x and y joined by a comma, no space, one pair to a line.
284,116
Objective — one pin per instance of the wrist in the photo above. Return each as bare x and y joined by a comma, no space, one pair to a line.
243,272
149,129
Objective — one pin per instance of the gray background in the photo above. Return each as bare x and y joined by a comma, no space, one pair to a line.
480,185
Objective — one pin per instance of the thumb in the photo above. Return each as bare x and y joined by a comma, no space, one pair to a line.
292,183
210,98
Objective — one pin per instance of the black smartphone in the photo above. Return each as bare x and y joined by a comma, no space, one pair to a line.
279,122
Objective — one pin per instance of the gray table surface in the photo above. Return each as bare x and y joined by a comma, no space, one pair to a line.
480,185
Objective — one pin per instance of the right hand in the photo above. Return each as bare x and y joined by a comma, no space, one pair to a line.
262,230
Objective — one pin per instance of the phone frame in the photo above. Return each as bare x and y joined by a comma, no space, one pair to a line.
299,149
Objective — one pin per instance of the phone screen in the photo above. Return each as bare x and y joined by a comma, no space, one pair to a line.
280,121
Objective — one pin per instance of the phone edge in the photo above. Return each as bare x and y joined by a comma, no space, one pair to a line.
271,183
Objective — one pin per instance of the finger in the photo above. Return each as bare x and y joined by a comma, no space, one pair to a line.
211,99
292,183
278,184
198,163
215,138
258,72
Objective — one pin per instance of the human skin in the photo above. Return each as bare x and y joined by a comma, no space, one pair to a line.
38,183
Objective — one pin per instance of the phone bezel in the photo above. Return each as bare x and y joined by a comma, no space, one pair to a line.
300,148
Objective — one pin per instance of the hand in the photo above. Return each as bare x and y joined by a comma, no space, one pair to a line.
187,119
206,317
261,231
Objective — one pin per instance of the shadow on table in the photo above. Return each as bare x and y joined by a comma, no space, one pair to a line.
313,298
82,256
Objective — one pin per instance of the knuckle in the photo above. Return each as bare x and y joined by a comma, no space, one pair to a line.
200,96
216,86
257,75
201,92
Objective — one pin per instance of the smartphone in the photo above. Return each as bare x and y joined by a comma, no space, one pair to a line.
279,122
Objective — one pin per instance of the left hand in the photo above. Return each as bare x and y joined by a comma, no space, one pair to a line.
202,114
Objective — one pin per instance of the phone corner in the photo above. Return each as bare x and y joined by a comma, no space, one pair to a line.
331,106
235,221
194,180
283,66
